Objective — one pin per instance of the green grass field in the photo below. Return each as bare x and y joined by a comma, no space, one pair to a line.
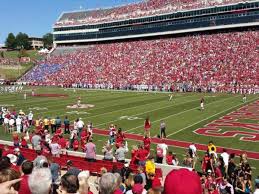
12,73
129,109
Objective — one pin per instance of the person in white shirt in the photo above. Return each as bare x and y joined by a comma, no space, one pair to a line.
256,187
11,124
193,154
55,148
25,96
164,147
30,117
224,186
18,124
80,126
6,124
225,157
175,161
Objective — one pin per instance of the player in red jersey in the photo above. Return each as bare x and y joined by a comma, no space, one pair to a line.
147,126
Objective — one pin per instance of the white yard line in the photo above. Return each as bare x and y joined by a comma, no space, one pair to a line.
180,113
206,118
134,107
151,111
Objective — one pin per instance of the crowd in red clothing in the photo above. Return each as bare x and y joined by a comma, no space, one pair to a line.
219,62
219,172
146,8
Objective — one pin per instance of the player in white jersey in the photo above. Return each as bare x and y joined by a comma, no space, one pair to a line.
25,96
171,97
202,104
244,98
78,102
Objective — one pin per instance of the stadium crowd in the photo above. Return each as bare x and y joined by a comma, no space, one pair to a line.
9,62
220,172
142,9
216,62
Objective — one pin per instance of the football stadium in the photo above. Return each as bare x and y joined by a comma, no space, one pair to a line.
158,97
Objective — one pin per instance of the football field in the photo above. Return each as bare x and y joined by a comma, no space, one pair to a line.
226,119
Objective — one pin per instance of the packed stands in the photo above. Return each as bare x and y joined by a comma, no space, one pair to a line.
7,61
219,174
221,62
142,9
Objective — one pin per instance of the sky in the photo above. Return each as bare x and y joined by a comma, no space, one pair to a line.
36,17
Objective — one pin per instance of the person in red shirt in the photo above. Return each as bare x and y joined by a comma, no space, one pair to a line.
169,158
205,163
63,144
120,138
142,156
6,151
213,189
147,143
147,126
76,144
134,152
24,143
59,132
16,141
26,168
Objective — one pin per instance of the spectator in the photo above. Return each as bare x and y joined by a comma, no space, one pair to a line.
226,187
9,174
35,140
107,183
20,157
55,172
55,148
27,167
175,160
71,169
119,188
162,147
120,153
225,157
39,160
138,186
69,184
150,165
193,154
256,186
80,126
40,181
182,181
125,171
142,155
90,150
7,187
84,187
108,152
157,186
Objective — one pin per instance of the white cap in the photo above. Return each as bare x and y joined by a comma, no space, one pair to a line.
12,157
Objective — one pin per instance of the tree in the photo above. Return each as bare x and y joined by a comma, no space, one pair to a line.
10,42
2,54
48,40
22,41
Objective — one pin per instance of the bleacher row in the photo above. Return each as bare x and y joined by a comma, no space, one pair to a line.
80,163
141,9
